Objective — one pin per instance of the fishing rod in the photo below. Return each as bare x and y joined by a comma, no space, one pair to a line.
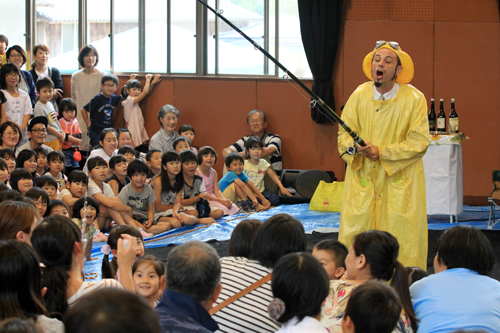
316,100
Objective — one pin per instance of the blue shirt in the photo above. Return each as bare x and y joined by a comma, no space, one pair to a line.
456,299
180,313
101,110
230,177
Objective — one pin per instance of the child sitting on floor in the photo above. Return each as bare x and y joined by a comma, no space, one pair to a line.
40,198
41,160
75,188
236,184
55,164
48,184
21,180
57,207
194,190
128,152
141,197
118,165
331,254
168,188
88,208
149,278
153,159
181,143
207,157
187,131
256,168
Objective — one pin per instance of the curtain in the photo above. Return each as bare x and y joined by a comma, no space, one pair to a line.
320,24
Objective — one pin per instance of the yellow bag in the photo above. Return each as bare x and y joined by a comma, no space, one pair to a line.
327,197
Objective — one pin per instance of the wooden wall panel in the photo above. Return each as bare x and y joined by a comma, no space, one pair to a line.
470,73
466,10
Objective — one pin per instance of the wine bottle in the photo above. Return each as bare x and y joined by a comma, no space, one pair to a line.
453,126
432,117
441,118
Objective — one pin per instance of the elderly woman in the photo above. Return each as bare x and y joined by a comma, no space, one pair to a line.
372,255
10,135
163,139
459,295
17,56
279,235
40,69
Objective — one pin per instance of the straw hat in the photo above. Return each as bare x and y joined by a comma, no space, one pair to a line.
408,71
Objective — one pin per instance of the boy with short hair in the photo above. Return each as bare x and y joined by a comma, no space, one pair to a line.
372,307
141,197
118,166
181,143
48,184
331,254
44,107
153,159
236,184
75,188
187,131
194,189
256,168
128,152
101,108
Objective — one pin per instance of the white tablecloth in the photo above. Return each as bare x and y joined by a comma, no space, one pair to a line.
444,179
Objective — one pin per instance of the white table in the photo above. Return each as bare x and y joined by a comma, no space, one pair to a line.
443,168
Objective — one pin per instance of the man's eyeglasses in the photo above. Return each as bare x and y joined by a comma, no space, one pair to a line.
38,131
256,121
381,43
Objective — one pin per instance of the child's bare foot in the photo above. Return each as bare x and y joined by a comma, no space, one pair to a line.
100,238
206,220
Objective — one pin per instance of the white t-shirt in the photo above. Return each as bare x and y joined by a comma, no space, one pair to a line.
18,107
90,287
93,188
98,152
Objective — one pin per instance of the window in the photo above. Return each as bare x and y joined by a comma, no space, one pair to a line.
57,27
13,18
174,36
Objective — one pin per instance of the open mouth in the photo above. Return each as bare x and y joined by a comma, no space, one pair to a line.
379,74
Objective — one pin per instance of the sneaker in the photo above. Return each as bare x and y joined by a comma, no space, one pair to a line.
145,234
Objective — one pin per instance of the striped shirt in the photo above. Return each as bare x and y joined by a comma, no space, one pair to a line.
90,287
269,140
248,313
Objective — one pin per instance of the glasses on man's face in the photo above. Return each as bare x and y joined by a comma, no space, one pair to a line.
15,56
38,131
110,85
12,75
256,121
381,43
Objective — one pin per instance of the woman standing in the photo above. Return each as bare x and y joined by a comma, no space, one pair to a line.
85,84
40,69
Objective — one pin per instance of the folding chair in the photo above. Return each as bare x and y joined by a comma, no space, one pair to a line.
494,200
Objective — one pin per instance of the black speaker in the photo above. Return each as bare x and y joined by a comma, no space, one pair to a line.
302,184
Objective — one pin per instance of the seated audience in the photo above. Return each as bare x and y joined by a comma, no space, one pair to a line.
40,198
163,139
279,235
240,243
48,184
149,278
372,307
193,284
187,131
57,207
21,180
21,290
107,147
373,255
299,286
111,311
58,242
118,166
331,254
460,295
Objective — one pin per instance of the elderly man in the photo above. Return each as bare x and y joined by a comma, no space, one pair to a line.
384,185
37,132
257,124
193,285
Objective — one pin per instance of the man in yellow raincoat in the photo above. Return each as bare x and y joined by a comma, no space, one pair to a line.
384,185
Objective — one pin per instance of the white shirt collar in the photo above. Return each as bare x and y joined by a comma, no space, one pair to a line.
390,94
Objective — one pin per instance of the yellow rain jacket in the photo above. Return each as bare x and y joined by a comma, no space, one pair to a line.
388,194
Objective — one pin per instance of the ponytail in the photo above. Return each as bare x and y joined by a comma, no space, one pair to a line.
124,92
401,285
106,272
55,279
108,269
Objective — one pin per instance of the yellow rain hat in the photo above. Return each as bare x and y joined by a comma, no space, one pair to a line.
408,71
